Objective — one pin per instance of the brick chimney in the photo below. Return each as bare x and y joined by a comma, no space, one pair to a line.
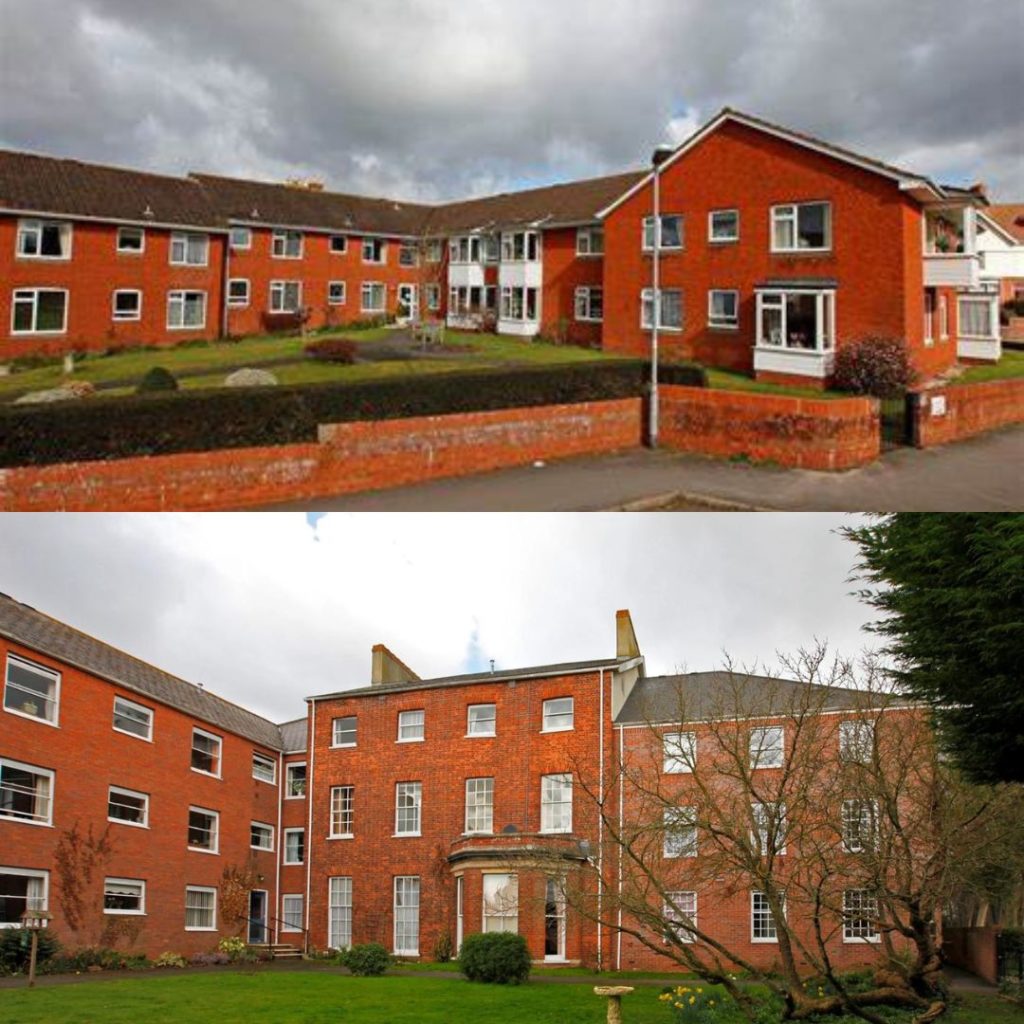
626,645
305,184
387,669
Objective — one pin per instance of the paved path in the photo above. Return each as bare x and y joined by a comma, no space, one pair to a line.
984,473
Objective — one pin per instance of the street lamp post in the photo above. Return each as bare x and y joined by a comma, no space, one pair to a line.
34,921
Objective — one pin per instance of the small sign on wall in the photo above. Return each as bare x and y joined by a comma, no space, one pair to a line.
938,405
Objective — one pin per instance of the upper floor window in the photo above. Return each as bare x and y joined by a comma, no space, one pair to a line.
203,827
132,718
590,304
481,719
338,244
558,714
856,741
21,889
435,250
124,896
520,247
723,308
238,291
131,239
189,250
294,781
802,227
39,311
205,752
408,256
408,801
860,916
294,846
127,807
479,805
25,792
590,241
410,726
671,235
286,245
678,752
335,293
723,226
490,248
766,747
680,832
241,238
556,803
343,799
44,240
344,731
31,690
261,836
769,834
465,249
375,250
671,313
264,768
859,825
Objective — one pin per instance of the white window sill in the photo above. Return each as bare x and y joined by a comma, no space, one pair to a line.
262,849
472,835
407,835
186,327
290,930
301,797
25,821
676,771
377,312
279,256
414,739
589,320
723,241
25,334
765,942
209,775
192,266
198,849
863,942
480,735
131,824
134,735
344,835
126,319
405,952
125,913
555,832
292,863
344,746
722,327
193,929
43,259
562,728
31,717
663,330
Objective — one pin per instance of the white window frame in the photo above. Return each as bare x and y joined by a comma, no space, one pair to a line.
214,832
34,227
266,759
129,250
929,317
285,925
435,250
763,815
432,295
371,288
678,753
521,247
288,794
410,728
993,315
334,299
339,810
679,835
237,246
856,741
286,851
219,755
335,730
405,813
671,912
515,304
277,294
135,795
339,898
403,884
267,827
863,913
585,239
206,890
723,239
235,301
185,240
331,247
131,705
479,806
371,245
583,304
764,914
138,883
40,902
859,825
555,795
51,702
765,750
281,242
789,213
179,297
647,233
122,317
35,293
549,715
46,774
484,718
408,255
724,323
505,911
777,299
647,310
943,318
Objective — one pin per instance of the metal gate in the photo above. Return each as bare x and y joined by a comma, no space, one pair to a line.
897,421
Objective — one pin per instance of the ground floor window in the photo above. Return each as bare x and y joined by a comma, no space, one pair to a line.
285,296
374,297
590,304
670,316
339,902
39,311
336,293
501,903
127,305
977,316
124,896
860,916
554,920
238,291
200,909
291,913
799,319
680,914
519,304
723,308
407,915
21,889
762,923
186,310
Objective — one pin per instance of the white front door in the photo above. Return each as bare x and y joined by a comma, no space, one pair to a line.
408,302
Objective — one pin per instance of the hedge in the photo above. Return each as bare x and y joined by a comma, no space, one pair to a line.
206,420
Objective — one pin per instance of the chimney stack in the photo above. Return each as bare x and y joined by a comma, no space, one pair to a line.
660,155
386,669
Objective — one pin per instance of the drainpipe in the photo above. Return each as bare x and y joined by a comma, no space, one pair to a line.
618,938
309,801
656,318
225,277
280,851
600,823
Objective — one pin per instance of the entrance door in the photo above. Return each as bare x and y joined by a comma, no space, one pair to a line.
408,302
554,921
258,916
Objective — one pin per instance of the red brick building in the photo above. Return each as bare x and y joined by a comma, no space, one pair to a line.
397,812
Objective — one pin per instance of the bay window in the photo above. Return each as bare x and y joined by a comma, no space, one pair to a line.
797,318
519,304
501,903
978,316
520,247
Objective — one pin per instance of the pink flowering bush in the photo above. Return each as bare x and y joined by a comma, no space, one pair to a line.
875,366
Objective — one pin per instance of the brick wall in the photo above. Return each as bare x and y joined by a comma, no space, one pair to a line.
974,950
798,432
564,272
953,413
350,457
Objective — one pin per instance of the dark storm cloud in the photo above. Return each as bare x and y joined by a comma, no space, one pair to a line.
446,97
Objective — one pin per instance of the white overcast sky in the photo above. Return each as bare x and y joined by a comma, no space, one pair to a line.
445,98
265,609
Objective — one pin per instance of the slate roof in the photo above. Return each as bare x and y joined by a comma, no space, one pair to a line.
1009,216
293,736
499,676
45,184
33,629
702,695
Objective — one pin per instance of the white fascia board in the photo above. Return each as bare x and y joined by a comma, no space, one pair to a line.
997,229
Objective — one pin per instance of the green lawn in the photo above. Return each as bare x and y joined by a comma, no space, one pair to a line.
732,380
1011,365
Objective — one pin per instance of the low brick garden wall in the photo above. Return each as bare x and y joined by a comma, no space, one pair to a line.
348,457
808,433
954,413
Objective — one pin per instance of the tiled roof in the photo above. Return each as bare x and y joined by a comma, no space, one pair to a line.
293,736
498,676
1009,216
45,184
37,631
696,696
285,205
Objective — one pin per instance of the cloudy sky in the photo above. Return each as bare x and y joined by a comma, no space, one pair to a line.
443,98
267,609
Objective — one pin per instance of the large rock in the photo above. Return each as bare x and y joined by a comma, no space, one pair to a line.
76,389
250,378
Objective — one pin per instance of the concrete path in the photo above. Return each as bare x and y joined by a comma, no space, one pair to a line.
984,473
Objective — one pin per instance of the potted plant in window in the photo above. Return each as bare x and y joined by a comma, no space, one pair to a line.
30,707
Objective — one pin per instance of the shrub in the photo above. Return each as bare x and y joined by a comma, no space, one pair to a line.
95,958
209,959
443,948
880,367
233,946
170,960
366,960
157,378
332,350
16,948
497,957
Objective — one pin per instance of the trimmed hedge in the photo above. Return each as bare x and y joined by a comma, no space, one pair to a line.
206,420
500,958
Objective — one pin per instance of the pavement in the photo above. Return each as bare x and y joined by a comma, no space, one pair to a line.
984,473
